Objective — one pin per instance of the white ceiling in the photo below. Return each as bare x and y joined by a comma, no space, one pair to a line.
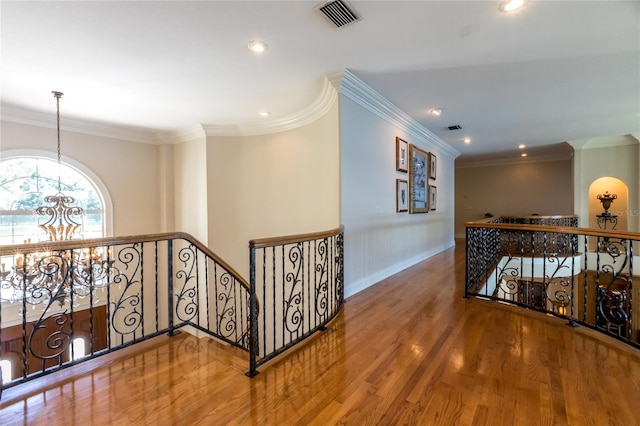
554,71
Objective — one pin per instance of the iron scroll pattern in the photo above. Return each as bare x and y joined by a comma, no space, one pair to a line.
186,304
300,288
309,289
580,275
112,296
293,303
126,318
614,286
232,309
325,299
49,285
322,271
548,284
218,295
338,261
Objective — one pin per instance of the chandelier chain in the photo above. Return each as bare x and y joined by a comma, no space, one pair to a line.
58,95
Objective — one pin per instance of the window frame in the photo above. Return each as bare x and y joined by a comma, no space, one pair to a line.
86,172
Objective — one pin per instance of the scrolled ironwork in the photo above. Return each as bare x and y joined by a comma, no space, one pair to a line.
541,265
187,296
483,248
293,301
509,276
339,268
299,281
558,292
95,290
613,311
55,332
126,310
227,320
322,286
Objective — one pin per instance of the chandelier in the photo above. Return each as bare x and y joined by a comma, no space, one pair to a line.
46,276
61,224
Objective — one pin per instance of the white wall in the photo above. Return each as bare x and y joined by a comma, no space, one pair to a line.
272,185
129,170
166,182
190,188
378,241
545,188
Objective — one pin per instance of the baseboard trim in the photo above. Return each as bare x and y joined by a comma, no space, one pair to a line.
358,286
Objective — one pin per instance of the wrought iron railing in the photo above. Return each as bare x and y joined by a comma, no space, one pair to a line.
111,293
297,282
584,275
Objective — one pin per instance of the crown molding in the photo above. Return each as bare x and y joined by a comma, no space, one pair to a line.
187,134
309,114
312,112
358,91
345,83
47,120
605,142
512,161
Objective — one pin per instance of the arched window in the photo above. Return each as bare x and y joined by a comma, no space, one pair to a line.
25,181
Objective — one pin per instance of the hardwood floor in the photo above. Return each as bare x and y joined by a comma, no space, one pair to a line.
410,350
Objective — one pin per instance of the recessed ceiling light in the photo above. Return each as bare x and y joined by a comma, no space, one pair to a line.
436,111
466,140
511,5
522,146
257,46
264,113
524,154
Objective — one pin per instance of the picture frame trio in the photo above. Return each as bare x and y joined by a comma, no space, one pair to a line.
415,195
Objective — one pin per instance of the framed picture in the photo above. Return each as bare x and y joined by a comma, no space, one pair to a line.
432,166
402,195
433,196
402,155
418,164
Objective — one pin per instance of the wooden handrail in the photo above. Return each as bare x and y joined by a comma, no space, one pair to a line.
9,250
531,216
557,229
289,239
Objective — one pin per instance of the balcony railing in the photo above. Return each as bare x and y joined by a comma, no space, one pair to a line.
297,282
547,264
111,293
66,302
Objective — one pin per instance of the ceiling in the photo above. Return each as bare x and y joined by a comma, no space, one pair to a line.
552,72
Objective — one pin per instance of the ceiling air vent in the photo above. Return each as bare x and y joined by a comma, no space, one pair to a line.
455,127
339,13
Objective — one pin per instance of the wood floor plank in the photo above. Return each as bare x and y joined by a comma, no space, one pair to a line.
409,350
